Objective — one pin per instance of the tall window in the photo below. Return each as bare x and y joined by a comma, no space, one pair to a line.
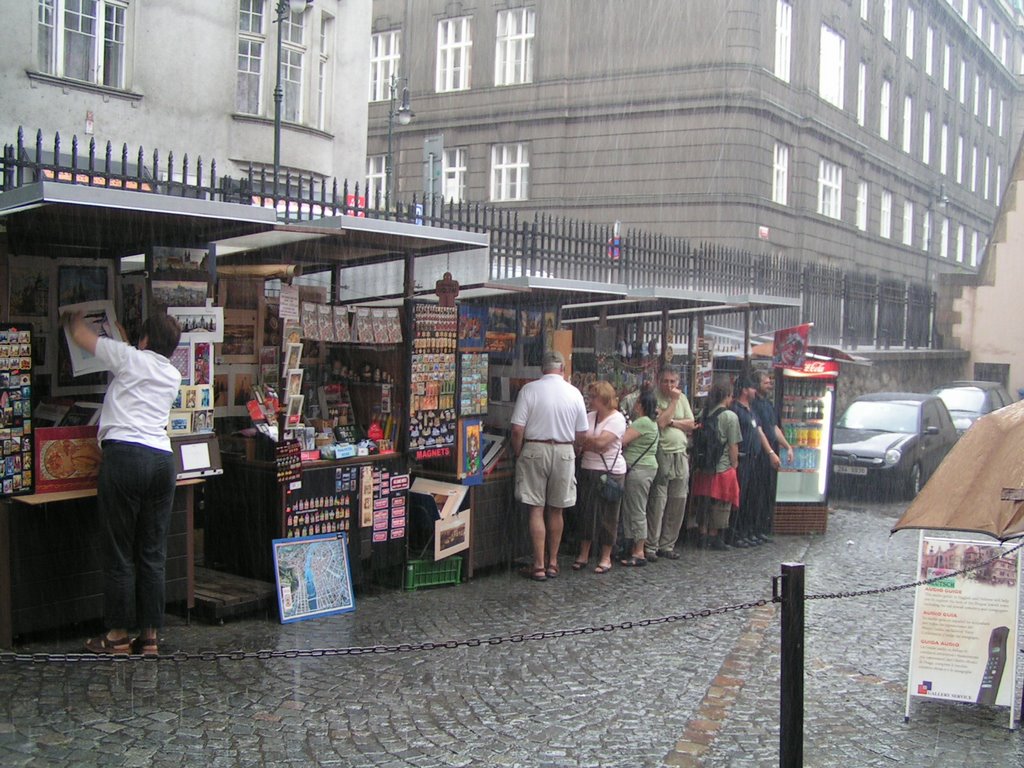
884,99
862,85
865,9
910,33
385,58
1002,107
830,189
376,178
862,206
908,222
454,170
960,159
998,195
974,249
947,65
251,36
985,188
962,92
977,95
885,217
926,139
513,56
780,177
783,38
887,19
989,107
323,71
944,149
83,40
510,169
454,45
929,51
293,56
944,239
832,66
960,244
974,168
908,122
926,231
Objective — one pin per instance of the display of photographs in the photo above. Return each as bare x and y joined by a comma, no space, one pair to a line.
325,322
472,327
199,323
473,384
293,355
202,421
342,332
178,293
175,259
181,358
293,384
202,362
294,413
30,281
82,282
291,333
531,336
133,305
239,345
364,326
310,321
313,576
179,423
500,337
99,317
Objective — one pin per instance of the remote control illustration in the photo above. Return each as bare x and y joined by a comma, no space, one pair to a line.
994,668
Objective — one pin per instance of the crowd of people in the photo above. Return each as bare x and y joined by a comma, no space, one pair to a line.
624,469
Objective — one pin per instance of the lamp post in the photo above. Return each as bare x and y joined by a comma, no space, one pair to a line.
941,201
404,114
283,10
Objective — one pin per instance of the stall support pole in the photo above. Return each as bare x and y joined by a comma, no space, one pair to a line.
664,338
791,672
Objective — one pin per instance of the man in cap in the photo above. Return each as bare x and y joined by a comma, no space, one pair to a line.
548,417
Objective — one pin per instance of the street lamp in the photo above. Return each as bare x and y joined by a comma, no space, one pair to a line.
283,10
933,202
404,114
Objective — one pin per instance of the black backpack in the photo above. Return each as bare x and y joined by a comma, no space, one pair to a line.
708,443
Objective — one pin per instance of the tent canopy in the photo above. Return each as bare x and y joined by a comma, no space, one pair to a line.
979,487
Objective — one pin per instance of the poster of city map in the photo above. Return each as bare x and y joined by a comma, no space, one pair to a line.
313,576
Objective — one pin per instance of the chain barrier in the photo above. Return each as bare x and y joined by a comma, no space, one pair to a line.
913,584
295,653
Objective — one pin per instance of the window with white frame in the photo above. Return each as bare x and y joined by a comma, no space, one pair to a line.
926,138
83,40
944,149
977,95
960,244
249,75
510,169
832,66
830,189
944,238
1002,107
979,21
385,61
780,175
947,66
985,188
454,169
998,194
454,46
974,168
885,215
960,159
1004,51
783,38
323,71
908,122
862,206
974,248
910,33
929,51
992,33
884,99
293,58
963,82
989,108
908,222
865,9
926,230
513,55
887,19
862,85
376,178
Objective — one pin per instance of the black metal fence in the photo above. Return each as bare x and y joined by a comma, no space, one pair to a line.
847,307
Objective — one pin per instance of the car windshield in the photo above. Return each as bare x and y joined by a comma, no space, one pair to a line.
963,399
880,416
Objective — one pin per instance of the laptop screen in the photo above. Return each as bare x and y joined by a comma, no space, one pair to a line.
196,455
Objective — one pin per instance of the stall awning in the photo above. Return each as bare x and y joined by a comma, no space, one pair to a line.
814,352
649,302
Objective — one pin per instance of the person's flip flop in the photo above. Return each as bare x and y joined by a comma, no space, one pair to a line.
579,565
537,574
602,569
551,571
634,562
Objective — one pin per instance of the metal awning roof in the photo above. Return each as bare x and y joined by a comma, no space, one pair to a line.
640,302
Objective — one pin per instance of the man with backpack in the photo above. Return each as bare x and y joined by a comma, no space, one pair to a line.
753,445
716,491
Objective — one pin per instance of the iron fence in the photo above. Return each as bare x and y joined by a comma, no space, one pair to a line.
848,307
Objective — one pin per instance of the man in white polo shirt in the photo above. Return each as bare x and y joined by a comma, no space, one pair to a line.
548,417
135,489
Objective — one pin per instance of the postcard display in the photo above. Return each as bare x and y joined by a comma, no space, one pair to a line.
432,413
15,408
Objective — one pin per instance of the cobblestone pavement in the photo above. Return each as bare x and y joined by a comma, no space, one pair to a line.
699,692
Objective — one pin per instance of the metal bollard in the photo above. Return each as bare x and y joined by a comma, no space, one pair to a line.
791,672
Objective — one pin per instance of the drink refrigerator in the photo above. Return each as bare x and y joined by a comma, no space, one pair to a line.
805,401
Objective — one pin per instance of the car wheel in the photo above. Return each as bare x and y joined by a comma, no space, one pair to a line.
914,481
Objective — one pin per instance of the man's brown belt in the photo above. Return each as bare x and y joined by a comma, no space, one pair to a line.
550,442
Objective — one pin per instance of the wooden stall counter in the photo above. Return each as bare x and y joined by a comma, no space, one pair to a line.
51,569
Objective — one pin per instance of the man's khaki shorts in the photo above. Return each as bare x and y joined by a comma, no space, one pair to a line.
546,475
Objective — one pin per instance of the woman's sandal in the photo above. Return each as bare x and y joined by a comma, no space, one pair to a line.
145,646
602,569
634,562
579,565
552,571
537,574
103,645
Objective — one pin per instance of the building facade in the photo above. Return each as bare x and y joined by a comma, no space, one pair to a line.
869,133
191,76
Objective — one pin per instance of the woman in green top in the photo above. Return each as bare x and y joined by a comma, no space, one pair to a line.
640,449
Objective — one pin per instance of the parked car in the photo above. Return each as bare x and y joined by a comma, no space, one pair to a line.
967,400
895,440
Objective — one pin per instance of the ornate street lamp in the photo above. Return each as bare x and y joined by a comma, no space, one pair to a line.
283,10
404,114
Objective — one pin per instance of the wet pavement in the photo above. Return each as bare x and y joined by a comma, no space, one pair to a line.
700,691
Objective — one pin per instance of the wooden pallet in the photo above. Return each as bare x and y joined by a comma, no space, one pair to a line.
798,519
222,595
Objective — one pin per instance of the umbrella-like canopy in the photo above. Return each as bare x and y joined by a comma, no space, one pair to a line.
979,487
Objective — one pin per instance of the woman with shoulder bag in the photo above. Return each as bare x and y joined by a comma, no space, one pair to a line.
715,494
640,449
602,477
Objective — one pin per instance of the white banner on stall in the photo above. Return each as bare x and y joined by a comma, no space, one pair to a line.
964,643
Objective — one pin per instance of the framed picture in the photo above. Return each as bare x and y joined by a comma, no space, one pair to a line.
294,413
133,305
292,357
451,534
179,423
181,358
239,337
178,293
80,281
220,390
313,576
30,281
500,336
242,388
67,458
293,384
199,323
202,362
99,317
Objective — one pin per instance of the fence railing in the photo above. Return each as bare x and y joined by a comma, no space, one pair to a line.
848,307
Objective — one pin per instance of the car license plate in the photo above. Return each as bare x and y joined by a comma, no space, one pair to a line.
843,469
